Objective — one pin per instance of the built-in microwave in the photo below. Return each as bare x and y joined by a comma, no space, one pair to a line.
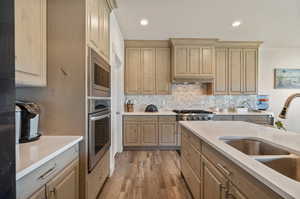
99,75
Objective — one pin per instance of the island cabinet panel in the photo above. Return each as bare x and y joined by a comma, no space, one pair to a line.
30,42
133,71
214,183
234,193
65,184
40,194
163,71
150,131
221,76
147,71
191,179
219,177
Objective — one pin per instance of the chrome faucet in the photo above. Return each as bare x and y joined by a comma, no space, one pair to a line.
283,113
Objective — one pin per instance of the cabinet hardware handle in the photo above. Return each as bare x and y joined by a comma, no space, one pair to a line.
48,173
223,169
53,191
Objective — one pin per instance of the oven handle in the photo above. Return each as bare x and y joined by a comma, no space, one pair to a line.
99,117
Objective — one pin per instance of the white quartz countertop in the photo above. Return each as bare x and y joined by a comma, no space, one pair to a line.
211,131
148,114
217,113
30,156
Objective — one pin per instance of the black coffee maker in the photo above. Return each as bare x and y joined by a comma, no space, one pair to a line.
29,123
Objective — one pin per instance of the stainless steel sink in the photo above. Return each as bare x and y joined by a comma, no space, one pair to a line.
288,166
255,147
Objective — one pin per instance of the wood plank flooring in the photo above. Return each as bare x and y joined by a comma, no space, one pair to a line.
146,175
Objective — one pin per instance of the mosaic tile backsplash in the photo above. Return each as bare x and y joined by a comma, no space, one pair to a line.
189,97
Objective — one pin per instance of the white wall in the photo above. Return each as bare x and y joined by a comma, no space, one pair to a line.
117,76
271,58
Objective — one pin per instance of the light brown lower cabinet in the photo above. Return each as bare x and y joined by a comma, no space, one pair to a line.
150,131
64,185
220,178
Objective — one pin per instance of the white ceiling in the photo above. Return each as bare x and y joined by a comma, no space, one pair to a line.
276,22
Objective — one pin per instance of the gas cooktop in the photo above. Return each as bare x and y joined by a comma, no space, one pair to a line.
193,115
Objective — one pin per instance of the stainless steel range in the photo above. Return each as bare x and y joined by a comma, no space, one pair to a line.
193,115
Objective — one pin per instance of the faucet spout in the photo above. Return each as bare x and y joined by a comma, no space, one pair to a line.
287,104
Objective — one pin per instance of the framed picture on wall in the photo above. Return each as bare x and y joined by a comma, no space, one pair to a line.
287,78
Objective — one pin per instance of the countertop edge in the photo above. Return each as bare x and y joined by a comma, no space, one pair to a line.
251,172
39,163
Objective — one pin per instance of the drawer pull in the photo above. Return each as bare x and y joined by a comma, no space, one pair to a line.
48,173
223,169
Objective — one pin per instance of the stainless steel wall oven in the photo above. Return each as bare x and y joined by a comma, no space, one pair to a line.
99,75
99,135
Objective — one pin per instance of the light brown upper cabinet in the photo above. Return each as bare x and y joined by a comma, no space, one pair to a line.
221,81
147,69
163,71
193,59
30,42
98,27
236,68
133,71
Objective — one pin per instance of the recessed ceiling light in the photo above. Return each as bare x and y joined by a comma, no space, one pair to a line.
236,24
144,22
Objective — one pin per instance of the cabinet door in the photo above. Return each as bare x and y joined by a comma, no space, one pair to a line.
30,42
65,184
181,61
131,134
148,70
149,134
221,72
236,71
234,193
104,13
94,24
195,61
40,194
213,187
132,71
251,67
163,68
167,134
207,61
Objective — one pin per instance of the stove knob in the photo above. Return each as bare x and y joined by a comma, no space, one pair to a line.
205,118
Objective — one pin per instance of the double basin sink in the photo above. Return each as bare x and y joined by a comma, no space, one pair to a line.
270,155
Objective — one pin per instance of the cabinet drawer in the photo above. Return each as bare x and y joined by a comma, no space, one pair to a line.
191,179
27,185
238,176
192,139
167,118
131,118
149,118
98,176
193,157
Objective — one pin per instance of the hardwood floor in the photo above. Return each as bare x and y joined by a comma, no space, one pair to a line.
146,175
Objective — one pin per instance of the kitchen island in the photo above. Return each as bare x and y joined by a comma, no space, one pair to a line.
213,168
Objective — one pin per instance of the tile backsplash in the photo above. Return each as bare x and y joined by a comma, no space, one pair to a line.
189,97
